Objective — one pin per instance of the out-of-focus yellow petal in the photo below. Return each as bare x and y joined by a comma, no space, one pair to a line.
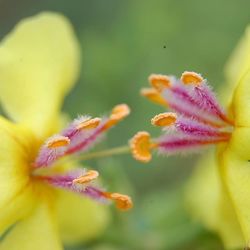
239,61
17,197
39,63
241,101
210,204
238,64
235,164
36,232
80,219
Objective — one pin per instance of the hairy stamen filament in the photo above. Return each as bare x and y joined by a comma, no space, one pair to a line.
186,142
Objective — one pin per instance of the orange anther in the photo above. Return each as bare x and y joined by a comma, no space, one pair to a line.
159,82
58,141
154,96
123,202
188,77
87,177
140,146
118,113
89,124
164,119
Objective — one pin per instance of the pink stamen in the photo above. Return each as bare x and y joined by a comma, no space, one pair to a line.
79,136
192,127
48,154
96,194
176,144
72,129
67,182
198,119
82,144
192,113
80,140
181,91
195,101
207,101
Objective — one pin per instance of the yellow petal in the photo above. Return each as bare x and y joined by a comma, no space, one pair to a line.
209,203
235,164
237,65
36,232
80,219
239,61
241,101
39,63
17,197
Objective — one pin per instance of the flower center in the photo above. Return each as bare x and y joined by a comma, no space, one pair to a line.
79,136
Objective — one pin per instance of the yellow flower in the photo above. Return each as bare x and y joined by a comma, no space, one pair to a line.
224,179
39,63
219,190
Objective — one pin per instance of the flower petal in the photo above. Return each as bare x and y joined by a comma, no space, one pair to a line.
17,196
80,219
210,204
240,59
39,63
38,231
235,164
238,64
241,101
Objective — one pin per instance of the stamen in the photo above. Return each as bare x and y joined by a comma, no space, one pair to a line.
53,148
58,141
195,128
79,136
118,113
141,145
206,100
82,144
159,82
72,129
89,124
193,99
201,121
189,77
164,119
188,112
184,103
198,100
176,144
123,202
154,96
78,181
86,177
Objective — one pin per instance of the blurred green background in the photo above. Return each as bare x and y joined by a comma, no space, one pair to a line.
122,43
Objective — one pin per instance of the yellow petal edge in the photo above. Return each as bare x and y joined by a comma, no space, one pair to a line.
209,203
39,64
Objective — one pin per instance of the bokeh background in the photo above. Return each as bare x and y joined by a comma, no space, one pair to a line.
122,43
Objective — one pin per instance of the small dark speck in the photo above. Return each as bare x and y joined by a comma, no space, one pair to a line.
164,46
248,160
